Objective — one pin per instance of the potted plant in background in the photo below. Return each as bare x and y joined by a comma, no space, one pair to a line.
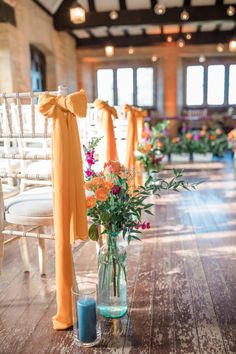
218,142
119,210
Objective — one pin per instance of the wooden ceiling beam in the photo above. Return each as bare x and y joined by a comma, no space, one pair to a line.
144,40
141,17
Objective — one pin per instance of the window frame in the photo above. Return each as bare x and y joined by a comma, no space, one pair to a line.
226,61
129,64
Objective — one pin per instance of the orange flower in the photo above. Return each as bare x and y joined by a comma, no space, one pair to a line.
232,134
189,136
202,133
88,186
91,202
108,185
159,144
145,148
212,137
146,135
113,167
218,131
175,139
101,194
96,181
148,147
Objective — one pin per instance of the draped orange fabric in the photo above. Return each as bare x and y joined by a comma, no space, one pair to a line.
106,123
140,115
132,144
70,219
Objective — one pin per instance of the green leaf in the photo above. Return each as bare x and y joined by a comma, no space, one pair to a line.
93,232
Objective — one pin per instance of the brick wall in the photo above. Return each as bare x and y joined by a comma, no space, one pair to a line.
34,26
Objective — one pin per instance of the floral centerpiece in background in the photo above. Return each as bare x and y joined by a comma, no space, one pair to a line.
218,142
232,140
119,211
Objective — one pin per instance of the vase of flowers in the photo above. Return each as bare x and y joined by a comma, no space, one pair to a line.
116,210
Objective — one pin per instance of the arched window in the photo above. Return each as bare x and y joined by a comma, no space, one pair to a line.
38,69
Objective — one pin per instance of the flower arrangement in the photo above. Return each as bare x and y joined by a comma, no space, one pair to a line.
232,139
218,142
118,209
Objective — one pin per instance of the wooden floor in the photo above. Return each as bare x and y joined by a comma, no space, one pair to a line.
182,281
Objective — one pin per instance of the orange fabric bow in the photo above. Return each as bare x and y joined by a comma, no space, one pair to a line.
132,143
69,203
106,124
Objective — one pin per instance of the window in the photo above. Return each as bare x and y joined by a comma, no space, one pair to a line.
194,79
105,85
232,84
134,86
38,69
125,91
211,83
145,86
215,84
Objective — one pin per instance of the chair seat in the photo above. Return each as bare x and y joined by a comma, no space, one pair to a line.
9,191
32,207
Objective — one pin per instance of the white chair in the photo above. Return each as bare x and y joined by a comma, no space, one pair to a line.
31,209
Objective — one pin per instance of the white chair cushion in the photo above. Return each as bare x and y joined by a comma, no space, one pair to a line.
35,202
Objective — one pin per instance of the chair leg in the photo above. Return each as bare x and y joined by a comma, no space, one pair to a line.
24,253
42,256
1,251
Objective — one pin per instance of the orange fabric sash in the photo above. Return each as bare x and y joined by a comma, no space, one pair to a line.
106,124
69,203
132,144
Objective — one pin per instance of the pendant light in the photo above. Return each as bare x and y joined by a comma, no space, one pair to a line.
77,13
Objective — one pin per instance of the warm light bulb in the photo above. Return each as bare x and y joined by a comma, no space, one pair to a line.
77,14
154,58
230,10
181,43
113,15
159,9
184,15
202,58
109,50
169,39
188,36
232,45
131,50
220,47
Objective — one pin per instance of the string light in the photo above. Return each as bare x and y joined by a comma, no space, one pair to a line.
159,9
181,43
131,50
184,15
169,39
220,47
109,50
113,15
232,45
77,14
202,58
230,10
154,58
188,36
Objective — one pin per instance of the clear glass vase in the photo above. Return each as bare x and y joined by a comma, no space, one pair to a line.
112,280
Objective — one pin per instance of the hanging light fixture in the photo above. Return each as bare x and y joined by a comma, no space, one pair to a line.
232,45
188,36
202,58
154,58
113,15
181,43
220,47
131,50
159,9
230,10
109,50
184,15
77,13
169,39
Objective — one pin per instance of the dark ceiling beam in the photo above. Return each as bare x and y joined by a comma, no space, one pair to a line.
42,7
91,5
142,17
143,40
7,13
122,4
187,3
153,3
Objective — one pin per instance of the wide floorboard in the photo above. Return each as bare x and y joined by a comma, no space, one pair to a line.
181,281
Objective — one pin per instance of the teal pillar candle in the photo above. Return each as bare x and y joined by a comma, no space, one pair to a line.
87,320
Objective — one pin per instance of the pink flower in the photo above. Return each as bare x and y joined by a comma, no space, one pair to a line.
89,173
116,190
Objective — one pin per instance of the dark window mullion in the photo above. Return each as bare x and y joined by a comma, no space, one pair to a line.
226,91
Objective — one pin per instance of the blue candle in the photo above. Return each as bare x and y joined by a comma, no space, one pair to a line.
87,320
